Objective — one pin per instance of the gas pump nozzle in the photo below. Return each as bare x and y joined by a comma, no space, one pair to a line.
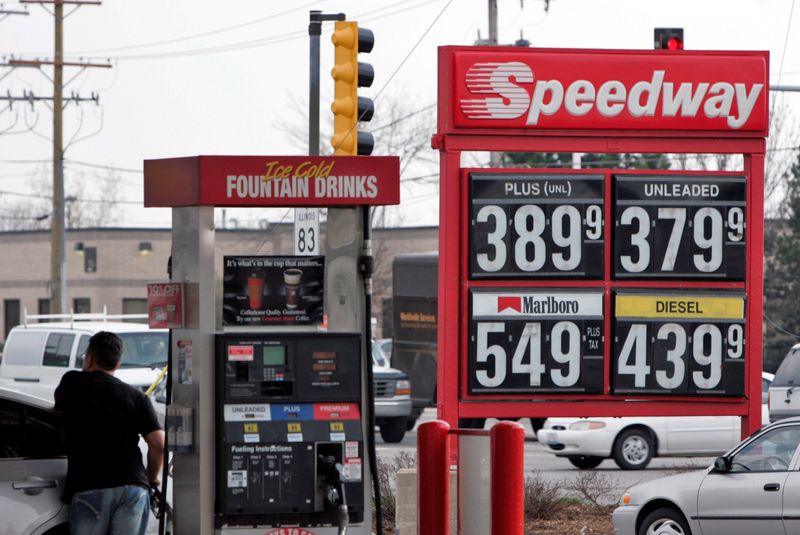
334,475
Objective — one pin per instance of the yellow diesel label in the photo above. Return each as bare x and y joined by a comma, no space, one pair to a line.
251,428
679,306
294,428
337,426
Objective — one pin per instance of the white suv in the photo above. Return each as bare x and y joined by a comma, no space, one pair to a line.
36,355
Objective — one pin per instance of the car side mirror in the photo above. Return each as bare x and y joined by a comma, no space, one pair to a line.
722,464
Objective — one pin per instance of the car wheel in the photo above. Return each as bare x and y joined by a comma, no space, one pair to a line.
585,462
633,449
471,423
537,423
393,429
664,521
410,423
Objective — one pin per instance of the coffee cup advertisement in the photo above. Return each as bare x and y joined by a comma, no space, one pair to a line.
273,290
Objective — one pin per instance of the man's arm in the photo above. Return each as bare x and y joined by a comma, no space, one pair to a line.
155,455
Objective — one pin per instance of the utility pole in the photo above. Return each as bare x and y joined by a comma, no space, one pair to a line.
493,22
494,157
58,276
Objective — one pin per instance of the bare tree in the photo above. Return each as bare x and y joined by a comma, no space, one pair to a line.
85,206
782,145
400,128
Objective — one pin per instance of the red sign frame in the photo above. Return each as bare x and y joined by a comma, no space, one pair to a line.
591,135
266,181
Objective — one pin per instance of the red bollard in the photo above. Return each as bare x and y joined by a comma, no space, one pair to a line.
433,478
508,479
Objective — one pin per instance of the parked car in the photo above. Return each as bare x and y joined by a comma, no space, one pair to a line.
753,489
633,441
36,355
33,466
392,398
784,393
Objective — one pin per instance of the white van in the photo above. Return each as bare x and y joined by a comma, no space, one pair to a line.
784,393
36,355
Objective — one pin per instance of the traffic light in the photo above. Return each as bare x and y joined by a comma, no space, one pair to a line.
668,39
348,75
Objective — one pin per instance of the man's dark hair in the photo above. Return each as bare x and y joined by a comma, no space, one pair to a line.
106,349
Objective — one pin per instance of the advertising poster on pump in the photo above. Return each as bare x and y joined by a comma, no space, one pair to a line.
273,290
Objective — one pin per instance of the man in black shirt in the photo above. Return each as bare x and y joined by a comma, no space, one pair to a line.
107,485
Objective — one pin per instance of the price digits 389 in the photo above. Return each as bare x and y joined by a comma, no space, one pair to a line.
535,239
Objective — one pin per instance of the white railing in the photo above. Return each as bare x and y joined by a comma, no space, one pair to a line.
72,317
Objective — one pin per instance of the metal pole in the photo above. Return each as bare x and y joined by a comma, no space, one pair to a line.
433,479
508,478
314,31
493,22
793,88
57,232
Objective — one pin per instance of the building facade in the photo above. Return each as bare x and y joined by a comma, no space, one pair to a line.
109,268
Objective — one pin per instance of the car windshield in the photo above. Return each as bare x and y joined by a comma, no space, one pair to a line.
378,359
788,373
144,349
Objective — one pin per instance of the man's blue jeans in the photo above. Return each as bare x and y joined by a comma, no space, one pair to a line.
113,511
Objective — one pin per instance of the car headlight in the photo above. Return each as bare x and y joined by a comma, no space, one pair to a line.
586,425
403,387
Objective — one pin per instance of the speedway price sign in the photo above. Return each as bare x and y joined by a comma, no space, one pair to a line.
570,292
603,232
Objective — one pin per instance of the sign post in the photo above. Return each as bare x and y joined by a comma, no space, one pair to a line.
586,289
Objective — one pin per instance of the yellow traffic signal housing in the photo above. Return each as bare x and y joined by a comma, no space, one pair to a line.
345,89
348,74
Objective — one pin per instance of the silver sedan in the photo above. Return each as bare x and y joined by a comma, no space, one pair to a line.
752,489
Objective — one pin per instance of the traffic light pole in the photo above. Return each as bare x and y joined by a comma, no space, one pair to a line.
316,18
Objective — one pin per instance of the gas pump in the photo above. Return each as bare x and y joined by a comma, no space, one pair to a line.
290,446
267,419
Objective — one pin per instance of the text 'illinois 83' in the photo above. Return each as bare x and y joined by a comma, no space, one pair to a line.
524,341
536,225
686,226
679,343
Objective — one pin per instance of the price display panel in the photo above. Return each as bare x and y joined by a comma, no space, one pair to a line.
536,225
527,341
687,227
679,343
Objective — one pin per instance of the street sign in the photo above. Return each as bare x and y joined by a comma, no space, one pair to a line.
306,231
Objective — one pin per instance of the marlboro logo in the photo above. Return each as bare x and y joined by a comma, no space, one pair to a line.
505,302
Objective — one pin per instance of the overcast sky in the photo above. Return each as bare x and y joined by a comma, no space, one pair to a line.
202,77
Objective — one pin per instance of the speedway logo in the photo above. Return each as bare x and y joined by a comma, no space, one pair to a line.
537,304
596,90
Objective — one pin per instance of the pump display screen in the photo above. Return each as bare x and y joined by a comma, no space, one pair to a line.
274,355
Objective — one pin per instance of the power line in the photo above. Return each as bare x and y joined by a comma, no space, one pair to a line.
271,40
197,35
